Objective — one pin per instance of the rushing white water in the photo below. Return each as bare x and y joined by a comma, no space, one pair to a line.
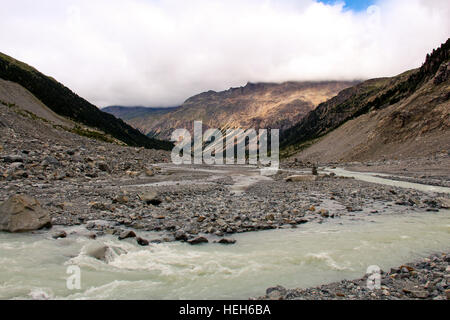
34,265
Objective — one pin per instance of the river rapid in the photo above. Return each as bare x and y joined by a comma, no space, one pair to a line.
34,265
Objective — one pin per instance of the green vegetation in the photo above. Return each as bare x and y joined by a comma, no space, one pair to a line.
91,134
9,105
100,136
66,103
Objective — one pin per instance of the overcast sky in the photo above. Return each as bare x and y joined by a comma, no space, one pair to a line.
159,53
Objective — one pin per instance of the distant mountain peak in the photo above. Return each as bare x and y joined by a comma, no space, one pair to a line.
256,105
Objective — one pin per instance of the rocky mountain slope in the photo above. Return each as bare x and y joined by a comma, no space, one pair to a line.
35,149
407,115
256,105
19,96
62,101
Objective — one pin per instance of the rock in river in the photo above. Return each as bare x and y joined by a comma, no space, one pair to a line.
127,234
142,242
103,252
198,240
21,213
181,235
60,235
226,241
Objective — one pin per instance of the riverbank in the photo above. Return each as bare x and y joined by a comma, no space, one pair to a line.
428,279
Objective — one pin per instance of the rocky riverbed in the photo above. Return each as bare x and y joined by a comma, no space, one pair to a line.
424,279
189,202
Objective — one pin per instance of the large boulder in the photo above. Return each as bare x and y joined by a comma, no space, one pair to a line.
103,252
99,252
21,213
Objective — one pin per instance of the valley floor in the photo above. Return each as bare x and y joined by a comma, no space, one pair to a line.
110,189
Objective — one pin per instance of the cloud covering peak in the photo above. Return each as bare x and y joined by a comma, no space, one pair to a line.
159,53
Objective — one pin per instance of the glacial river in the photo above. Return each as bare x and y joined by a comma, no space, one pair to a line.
33,266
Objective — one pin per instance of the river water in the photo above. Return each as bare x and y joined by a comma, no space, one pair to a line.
33,266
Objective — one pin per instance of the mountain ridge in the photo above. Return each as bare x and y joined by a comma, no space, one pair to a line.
66,103
380,104
255,105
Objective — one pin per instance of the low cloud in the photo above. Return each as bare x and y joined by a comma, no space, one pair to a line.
158,53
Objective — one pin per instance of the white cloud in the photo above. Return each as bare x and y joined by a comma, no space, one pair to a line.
158,53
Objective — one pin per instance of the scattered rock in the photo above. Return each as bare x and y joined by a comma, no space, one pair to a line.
421,294
12,158
275,293
132,173
99,206
142,242
301,178
103,166
122,199
324,213
127,234
227,241
52,161
444,203
60,234
149,172
198,240
405,268
16,166
181,235
151,198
